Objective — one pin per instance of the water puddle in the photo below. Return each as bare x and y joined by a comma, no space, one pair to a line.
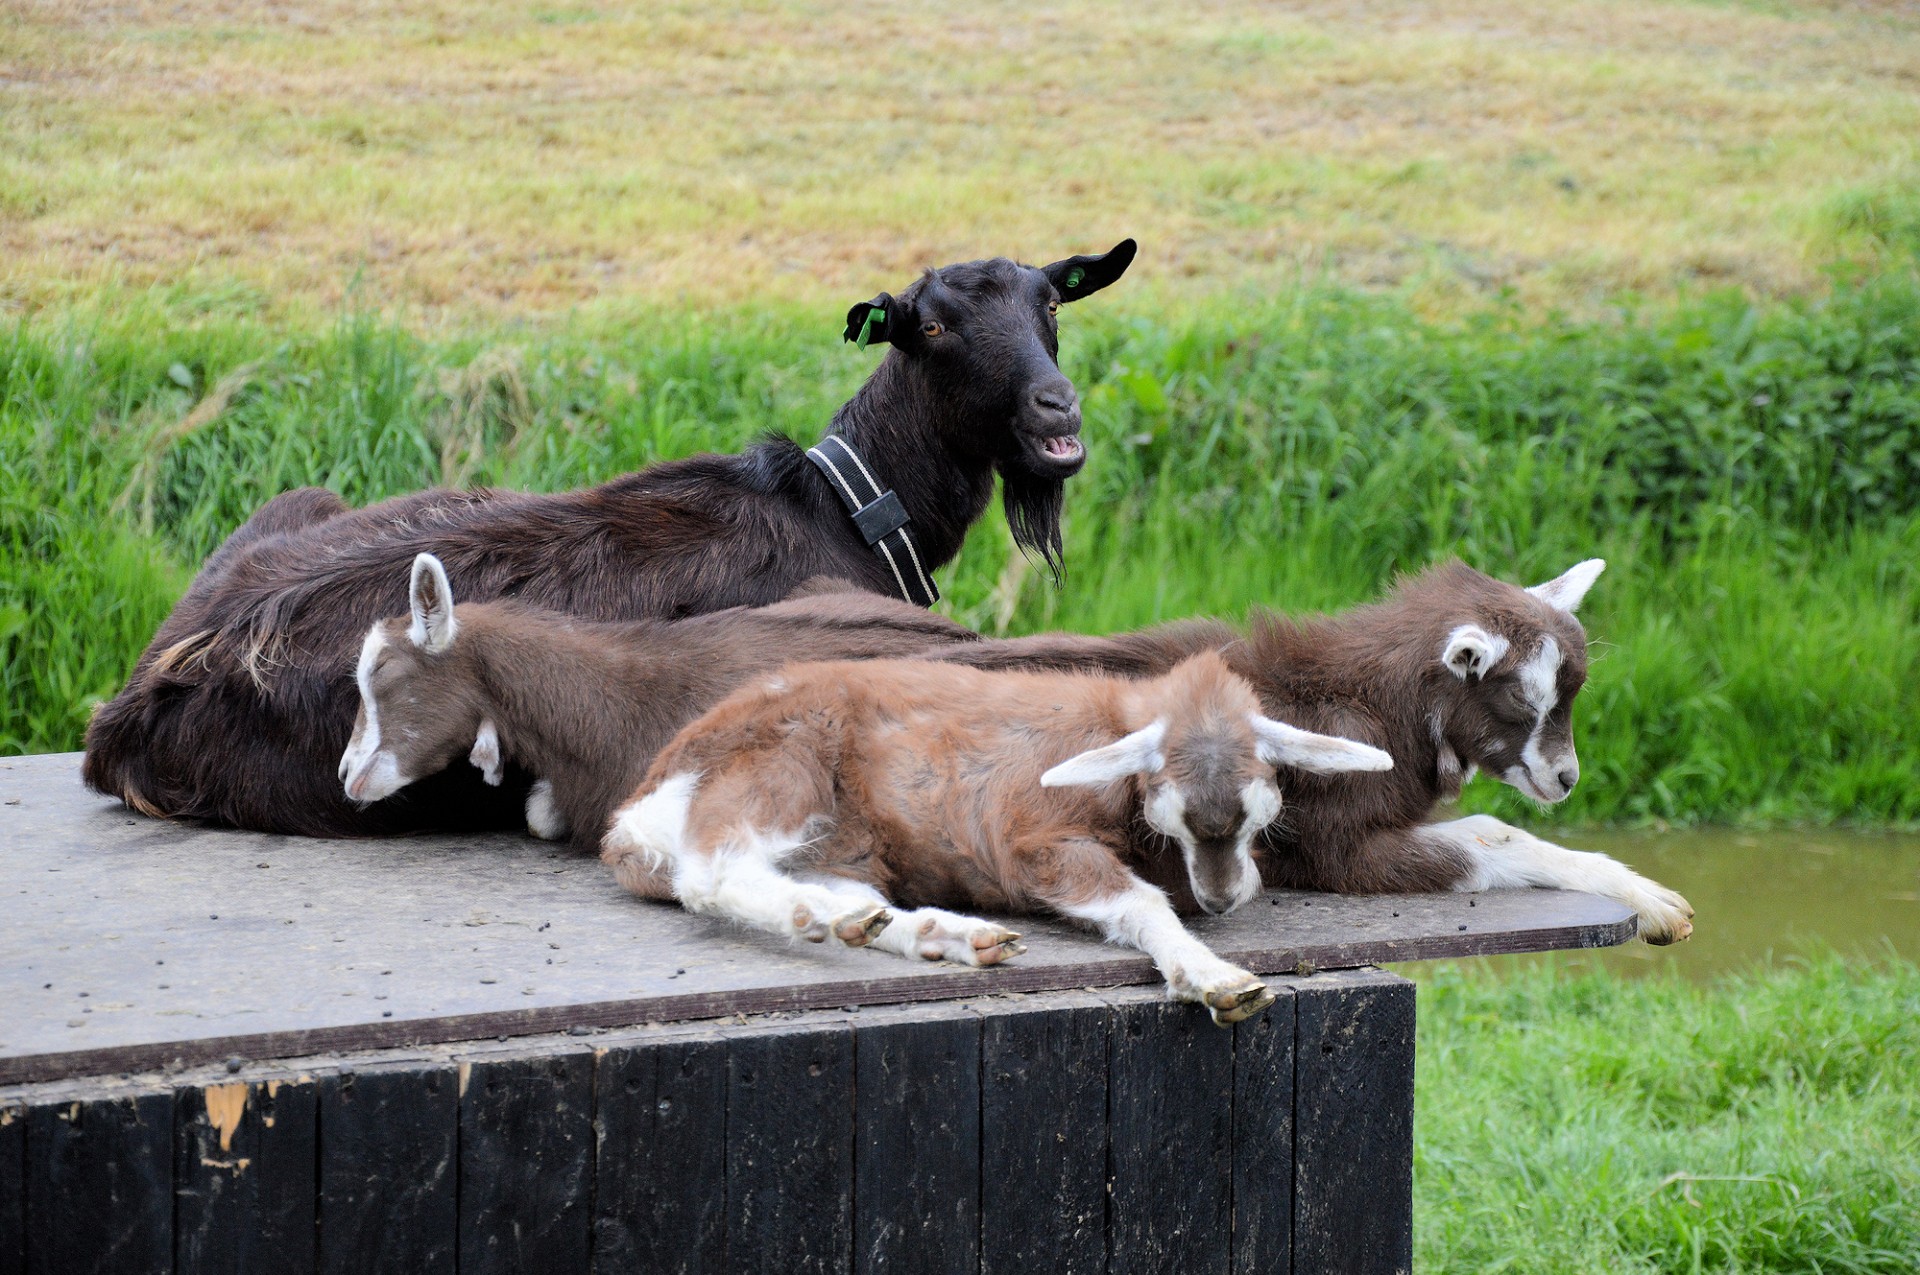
1764,893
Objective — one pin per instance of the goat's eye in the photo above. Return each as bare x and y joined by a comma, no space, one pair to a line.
1053,307
930,328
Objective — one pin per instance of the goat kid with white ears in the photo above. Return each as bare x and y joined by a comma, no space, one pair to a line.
810,803
1452,671
1520,730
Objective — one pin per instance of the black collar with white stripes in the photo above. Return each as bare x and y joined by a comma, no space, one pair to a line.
877,515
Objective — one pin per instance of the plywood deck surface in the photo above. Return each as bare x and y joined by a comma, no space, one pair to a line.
128,943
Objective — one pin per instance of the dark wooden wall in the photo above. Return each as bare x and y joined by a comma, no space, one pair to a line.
1085,1131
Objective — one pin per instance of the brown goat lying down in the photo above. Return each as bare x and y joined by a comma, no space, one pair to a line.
582,706
1453,670
809,803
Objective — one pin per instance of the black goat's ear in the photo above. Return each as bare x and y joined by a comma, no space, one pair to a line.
1078,277
871,322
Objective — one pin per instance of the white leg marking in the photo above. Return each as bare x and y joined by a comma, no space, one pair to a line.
930,934
544,819
933,934
741,879
927,933
486,753
1499,855
655,825
1142,918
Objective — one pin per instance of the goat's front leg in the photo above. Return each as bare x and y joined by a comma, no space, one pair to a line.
1139,916
1498,854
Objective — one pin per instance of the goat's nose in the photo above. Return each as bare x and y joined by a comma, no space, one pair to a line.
1056,398
1568,778
341,770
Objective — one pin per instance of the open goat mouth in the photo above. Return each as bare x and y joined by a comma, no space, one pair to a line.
1051,456
1064,447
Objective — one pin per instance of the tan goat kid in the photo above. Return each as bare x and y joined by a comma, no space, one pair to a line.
809,803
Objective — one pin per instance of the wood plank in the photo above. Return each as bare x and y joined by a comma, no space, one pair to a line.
790,1150
245,1191
1170,1138
319,947
660,1112
1353,1136
100,1187
13,1188
1263,1065
917,1168
526,1164
388,1147
1043,1137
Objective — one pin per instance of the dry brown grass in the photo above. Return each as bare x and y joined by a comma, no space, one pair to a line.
501,156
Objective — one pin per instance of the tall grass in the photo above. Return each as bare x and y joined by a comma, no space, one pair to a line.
1769,1122
1752,474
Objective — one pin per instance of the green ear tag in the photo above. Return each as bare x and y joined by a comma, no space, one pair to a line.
866,328
1075,275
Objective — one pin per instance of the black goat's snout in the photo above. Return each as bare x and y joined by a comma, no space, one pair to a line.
1059,399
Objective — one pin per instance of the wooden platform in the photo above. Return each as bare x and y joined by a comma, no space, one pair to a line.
230,1052
130,944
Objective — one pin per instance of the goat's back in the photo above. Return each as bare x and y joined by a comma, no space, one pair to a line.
239,708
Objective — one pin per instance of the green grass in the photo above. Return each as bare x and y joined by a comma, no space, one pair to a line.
1573,1124
1751,473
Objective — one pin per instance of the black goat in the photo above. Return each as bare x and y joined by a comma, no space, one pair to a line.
239,708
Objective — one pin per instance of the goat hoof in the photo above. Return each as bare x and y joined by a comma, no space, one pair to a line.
1679,932
1238,1004
857,929
1668,919
990,947
804,926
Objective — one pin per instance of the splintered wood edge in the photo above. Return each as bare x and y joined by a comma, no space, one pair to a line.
954,984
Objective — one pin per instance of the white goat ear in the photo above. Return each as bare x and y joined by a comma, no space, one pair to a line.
431,598
486,753
1471,651
1135,754
1284,745
1564,592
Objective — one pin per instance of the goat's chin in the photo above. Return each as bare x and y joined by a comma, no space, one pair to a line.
1521,781
1033,505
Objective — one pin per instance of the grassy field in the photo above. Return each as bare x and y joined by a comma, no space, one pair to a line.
1594,1126
1752,475
511,158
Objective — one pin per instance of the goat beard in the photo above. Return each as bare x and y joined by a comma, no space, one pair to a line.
1033,506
